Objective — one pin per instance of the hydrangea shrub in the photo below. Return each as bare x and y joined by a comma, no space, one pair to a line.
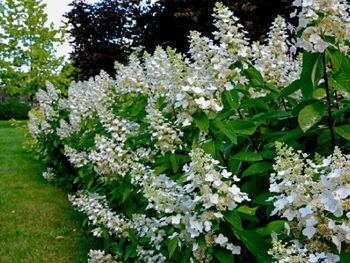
175,158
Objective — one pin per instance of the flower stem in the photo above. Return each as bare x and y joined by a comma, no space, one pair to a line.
330,113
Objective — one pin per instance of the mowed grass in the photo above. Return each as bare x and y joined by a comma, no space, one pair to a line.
37,223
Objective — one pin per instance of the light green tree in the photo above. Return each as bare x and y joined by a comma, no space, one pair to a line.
27,47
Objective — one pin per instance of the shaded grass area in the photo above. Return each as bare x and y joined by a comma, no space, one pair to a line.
37,223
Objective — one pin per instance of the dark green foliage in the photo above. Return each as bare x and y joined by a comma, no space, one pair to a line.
99,32
14,109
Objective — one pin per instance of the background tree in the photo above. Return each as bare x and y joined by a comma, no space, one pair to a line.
168,22
27,47
100,34
108,30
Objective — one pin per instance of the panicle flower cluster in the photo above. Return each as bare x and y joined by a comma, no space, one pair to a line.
166,134
41,118
210,72
110,158
48,100
76,158
273,59
313,197
100,215
322,19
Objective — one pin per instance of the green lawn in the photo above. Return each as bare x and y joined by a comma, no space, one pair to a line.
37,223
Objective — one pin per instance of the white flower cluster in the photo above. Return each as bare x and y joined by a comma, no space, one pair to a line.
98,256
314,197
207,186
110,158
294,253
40,119
100,215
49,174
322,19
273,60
167,137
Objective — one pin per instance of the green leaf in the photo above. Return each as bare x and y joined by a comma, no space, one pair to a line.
308,74
319,93
126,193
247,210
291,135
228,131
317,71
209,147
130,251
274,226
324,137
343,131
247,156
262,199
232,98
253,75
174,162
201,120
293,87
172,246
186,255
233,218
244,127
310,115
256,244
223,255
342,77
336,58
257,168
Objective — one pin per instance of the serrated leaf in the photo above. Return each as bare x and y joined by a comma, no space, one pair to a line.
310,115
201,120
257,168
343,131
